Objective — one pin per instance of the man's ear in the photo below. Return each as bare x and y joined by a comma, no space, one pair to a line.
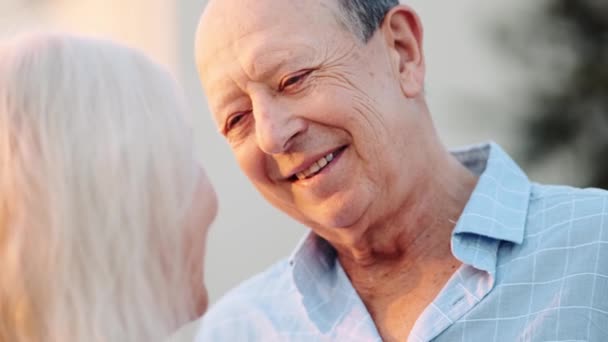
403,33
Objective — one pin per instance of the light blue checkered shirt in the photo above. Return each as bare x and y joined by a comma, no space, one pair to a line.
535,268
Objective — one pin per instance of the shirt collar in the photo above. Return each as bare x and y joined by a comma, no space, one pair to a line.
314,248
497,209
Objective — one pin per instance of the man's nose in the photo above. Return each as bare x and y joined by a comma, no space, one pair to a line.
276,125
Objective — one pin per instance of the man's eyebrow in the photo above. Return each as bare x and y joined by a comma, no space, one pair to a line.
226,93
265,65
223,88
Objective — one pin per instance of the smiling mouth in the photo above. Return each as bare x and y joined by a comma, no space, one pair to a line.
317,166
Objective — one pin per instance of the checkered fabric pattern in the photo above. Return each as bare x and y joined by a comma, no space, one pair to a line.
535,268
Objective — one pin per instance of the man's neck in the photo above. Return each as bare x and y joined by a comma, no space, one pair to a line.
401,264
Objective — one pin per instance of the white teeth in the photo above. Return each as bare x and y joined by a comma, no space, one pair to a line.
315,167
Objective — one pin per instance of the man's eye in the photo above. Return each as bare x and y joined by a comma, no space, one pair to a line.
234,120
295,79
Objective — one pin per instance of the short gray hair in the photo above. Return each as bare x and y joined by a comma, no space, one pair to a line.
365,16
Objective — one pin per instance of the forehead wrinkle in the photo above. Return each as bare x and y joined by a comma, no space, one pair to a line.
232,30
240,30
260,57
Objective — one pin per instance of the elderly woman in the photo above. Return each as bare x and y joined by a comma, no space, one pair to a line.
104,210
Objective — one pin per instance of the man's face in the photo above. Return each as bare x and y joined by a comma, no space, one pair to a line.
316,118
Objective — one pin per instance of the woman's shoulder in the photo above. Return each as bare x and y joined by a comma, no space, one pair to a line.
186,333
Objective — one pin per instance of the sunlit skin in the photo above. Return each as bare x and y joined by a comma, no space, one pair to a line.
287,84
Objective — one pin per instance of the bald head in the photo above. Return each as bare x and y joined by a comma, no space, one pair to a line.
361,17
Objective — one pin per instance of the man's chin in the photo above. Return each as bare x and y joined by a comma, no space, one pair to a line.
332,216
341,220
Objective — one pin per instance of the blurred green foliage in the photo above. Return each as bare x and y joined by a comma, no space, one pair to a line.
566,41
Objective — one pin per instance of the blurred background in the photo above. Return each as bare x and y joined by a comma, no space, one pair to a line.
530,75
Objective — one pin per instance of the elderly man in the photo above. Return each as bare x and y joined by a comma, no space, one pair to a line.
322,102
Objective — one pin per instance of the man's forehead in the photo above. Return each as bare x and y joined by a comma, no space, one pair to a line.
241,40
257,41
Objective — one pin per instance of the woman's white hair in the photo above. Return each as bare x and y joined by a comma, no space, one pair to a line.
97,171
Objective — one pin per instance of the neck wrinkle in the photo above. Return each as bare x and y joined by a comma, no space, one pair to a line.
417,234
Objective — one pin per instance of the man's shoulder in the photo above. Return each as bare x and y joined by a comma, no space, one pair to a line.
559,208
555,199
245,311
565,193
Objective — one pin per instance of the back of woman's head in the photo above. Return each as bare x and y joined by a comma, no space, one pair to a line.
96,172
